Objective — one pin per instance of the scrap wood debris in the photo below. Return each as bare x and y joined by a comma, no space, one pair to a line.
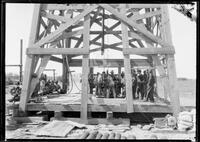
161,129
58,128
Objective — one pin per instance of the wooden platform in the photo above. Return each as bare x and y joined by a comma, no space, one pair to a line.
71,102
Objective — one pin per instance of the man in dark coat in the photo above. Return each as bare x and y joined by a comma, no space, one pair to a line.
146,80
150,92
134,83
91,82
140,81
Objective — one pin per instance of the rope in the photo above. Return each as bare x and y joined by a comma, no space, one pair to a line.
75,83
71,85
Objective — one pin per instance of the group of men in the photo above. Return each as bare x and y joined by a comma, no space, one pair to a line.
143,84
45,86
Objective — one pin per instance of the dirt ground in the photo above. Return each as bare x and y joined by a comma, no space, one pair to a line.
28,132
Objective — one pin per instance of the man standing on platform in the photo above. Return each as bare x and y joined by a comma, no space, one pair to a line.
134,83
151,85
146,80
140,79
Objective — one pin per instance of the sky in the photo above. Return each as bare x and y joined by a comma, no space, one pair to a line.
18,26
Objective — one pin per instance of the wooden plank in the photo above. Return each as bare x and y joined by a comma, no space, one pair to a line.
138,107
119,70
142,51
64,73
110,62
146,15
62,27
143,5
62,7
173,91
158,65
96,121
30,119
72,33
106,46
162,72
85,70
57,51
154,108
29,59
40,70
126,20
65,35
171,68
56,59
131,34
127,67
65,18
55,129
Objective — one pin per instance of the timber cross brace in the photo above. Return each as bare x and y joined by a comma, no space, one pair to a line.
144,30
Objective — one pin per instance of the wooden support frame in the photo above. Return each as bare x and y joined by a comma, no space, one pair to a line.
85,69
110,62
133,24
57,33
133,30
143,51
57,51
173,91
127,67
55,17
29,61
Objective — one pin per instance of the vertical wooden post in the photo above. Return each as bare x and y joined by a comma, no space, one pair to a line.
65,67
91,70
21,62
156,79
29,61
127,65
85,69
64,74
119,70
171,69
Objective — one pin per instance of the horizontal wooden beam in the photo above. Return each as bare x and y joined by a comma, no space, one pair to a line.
128,21
56,17
109,62
146,15
61,7
97,121
56,59
69,34
81,6
56,51
100,62
148,51
143,5
13,65
64,26
154,108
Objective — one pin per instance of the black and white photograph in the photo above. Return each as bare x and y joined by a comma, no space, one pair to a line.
100,71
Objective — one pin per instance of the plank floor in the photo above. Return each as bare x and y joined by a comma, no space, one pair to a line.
72,102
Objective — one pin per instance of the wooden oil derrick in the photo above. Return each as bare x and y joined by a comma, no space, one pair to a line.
145,31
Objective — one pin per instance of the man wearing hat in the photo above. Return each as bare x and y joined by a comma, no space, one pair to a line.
134,83
140,79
